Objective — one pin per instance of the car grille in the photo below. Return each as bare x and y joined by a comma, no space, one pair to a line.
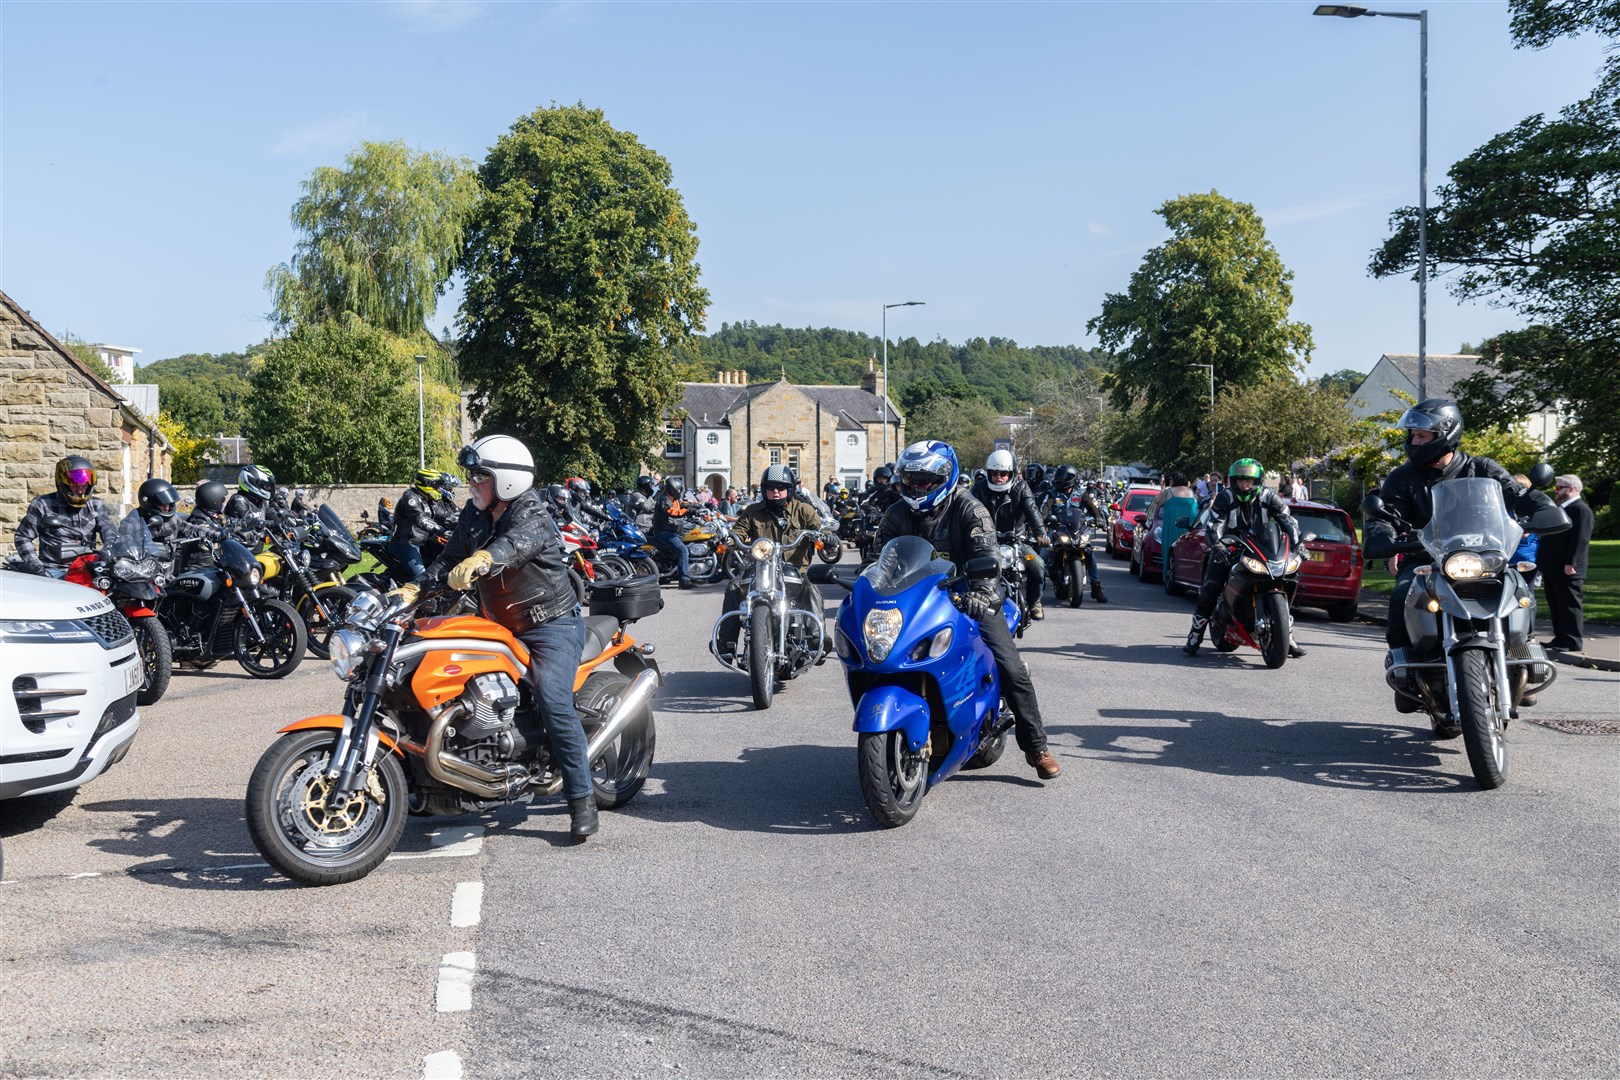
36,705
117,713
111,629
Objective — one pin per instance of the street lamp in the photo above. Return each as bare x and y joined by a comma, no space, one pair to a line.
886,307
1353,11
1211,369
1102,402
421,428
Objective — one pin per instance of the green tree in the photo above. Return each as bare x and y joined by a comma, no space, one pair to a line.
335,402
1280,422
378,238
968,424
87,354
1215,293
1345,380
190,452
1531,221
581,282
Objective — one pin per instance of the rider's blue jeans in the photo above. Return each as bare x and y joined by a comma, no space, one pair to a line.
673,544
554,655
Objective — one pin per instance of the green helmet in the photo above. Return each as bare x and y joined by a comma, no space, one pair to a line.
1245,467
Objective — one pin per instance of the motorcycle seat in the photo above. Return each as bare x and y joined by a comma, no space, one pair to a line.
599,631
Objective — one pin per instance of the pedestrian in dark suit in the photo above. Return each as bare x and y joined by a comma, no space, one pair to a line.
1561,560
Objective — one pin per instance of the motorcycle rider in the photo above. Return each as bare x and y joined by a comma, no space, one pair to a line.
586,510
935,508
415,523
1039,487
252,504
640,502
1434,429
445,511
1012,505
1064,481
157,501
61,525
667,527
883,494
775,516
506,546
1242,504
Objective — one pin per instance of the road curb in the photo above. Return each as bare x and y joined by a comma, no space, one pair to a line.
1580,660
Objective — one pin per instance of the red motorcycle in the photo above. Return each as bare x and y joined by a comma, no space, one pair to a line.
131,571
587,559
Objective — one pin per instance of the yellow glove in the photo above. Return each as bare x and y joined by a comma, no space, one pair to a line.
405,594
479,562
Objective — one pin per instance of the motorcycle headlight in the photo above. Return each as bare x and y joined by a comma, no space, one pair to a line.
1063,538
841,645
1464,566
103,582
763,549
881,628
348,648
124,569
255,576
1254,565
1293,563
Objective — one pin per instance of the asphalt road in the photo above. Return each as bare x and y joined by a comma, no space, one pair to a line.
1240,872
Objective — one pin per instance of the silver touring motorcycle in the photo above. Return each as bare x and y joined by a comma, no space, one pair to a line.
1469,614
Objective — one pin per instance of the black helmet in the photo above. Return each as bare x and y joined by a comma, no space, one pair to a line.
557,494
157,496
1439,415
675,485
882,476
211,495
257,481
579,486
75,480
644,484
1066,477
1034,473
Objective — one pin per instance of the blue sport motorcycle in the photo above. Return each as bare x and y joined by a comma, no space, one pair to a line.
923,683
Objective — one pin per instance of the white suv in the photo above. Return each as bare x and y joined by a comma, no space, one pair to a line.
70,673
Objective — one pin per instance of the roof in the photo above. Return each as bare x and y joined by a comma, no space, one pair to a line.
713,400
859,404
853,406
1443,372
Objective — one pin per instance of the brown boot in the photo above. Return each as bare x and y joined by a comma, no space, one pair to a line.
1046,766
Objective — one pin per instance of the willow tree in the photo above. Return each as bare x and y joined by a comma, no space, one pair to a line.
580,283
1215,293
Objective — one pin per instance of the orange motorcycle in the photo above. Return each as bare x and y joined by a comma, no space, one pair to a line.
438,719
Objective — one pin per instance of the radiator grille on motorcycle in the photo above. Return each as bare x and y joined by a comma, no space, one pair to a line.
1487,589
111,629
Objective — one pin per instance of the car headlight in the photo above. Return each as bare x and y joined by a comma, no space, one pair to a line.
762,549
1464,566
40,630
881,628
1158,533
1293,563
1254,565
348,648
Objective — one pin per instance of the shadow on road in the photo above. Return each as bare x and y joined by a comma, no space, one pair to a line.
1375,757
717,691
777,789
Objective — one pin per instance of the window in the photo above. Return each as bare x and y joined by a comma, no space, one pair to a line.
713,438
776,455
793,458
675,439
853,440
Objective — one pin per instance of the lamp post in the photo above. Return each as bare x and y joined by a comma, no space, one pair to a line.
1211,369
1101,401
885,395
421,427
1353,11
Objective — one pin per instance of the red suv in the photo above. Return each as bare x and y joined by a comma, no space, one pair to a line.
1330,576
1128,514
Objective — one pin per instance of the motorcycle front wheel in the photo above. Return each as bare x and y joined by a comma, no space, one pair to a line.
893,779
1077,582
310,842
761,668
157,658
320,628
284,642
1275,647
1483,719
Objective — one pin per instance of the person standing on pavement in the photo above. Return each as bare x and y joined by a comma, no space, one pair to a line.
1562,562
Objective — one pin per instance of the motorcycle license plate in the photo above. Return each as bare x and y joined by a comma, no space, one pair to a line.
1316,556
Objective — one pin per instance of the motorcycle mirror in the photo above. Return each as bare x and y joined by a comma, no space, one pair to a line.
1114,507
1374,506
985,566
365,515
1541,475
1184,522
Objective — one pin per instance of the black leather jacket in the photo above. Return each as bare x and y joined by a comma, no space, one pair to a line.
669,514
882,498
165,529
528,584
414,520
959,528
1012,509
586,512
1227,515
1409,493
54,533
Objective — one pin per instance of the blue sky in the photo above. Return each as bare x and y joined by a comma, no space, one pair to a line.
1000,161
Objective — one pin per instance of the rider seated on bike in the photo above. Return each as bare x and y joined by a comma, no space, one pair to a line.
776,516
882,494
506,545
668,526
935,508
1064,482
1242,504
586,510
1040,489
415,522
1012,506
253,505
158,499
61,525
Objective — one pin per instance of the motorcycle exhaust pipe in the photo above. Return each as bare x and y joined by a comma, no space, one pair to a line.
462,774
634,700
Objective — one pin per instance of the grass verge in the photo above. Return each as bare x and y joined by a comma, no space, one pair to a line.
1601,595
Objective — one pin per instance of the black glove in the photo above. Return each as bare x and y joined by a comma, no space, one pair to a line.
976,606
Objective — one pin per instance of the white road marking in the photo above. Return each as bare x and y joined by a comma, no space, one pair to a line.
466,904
445,1065
448,843
455,982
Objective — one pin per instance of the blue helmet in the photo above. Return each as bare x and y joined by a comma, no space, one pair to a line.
927,472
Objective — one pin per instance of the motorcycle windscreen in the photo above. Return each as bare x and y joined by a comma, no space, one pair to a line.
134,539
902,563
1471,514
1270,538
337,533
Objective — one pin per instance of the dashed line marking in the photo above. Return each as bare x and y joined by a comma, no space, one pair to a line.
455,982
449,843
467,904
445,1065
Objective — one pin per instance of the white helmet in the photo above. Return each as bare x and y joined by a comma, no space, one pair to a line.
504,458
1000,461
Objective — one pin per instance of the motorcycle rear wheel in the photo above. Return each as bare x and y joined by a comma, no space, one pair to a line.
1077,581
1275,647
761,668
1484,723
893,779
283,647
318,628
157,658
303,839
620,770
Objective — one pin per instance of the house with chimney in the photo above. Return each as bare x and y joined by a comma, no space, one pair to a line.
1396,374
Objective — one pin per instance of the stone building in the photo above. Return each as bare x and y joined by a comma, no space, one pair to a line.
725,433
51,406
